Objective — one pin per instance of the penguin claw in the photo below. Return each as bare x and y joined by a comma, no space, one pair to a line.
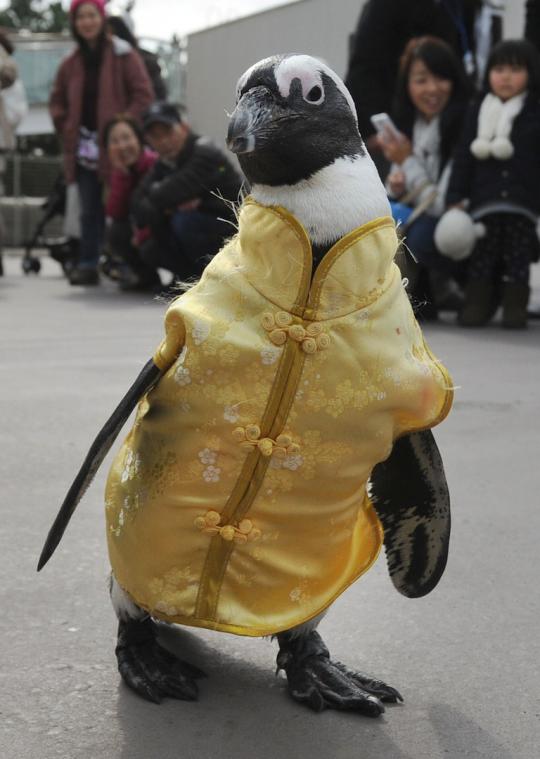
315,680
133,675
320,684
149,669
377,688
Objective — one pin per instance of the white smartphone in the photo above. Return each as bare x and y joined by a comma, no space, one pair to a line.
385,126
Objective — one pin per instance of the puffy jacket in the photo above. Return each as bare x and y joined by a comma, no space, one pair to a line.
124,87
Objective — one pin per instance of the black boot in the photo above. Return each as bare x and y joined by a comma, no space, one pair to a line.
514,302
480,303
315,680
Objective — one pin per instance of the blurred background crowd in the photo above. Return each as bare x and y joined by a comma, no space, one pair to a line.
448,106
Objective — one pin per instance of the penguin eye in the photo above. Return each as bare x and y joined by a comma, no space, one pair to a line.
315,95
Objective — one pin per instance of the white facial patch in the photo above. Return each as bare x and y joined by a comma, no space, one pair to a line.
299,67
309,71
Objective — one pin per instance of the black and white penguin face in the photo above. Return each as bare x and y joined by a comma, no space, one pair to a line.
293,117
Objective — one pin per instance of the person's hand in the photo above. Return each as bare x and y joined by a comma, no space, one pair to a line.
140,235
396,183
396,150
372,143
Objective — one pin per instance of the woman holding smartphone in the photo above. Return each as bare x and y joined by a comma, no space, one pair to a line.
431,101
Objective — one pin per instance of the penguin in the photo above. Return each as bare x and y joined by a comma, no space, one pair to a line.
283,427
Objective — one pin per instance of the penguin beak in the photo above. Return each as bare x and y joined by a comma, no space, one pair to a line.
255,121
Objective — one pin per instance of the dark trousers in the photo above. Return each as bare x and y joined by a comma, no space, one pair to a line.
119,235
506,251
187,245
92,217
420,241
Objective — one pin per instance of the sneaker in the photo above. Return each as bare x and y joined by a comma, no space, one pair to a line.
141,285
84,277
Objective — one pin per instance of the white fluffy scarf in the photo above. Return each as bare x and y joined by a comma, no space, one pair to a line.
495,121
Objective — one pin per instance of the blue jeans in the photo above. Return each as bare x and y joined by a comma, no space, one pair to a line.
419,239
92,217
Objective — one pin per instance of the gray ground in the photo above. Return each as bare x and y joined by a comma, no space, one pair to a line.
465,658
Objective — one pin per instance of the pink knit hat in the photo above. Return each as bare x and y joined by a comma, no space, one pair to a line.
100,5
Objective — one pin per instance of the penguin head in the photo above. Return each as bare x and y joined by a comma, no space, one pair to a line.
293,117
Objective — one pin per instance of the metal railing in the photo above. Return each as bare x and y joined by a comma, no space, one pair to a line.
28,181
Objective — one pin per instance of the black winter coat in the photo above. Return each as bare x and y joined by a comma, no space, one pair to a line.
384,29
532,22
202,172
516,180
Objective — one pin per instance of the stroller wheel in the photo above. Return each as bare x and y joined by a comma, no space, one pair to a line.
31,265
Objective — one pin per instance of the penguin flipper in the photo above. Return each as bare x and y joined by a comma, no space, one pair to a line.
99,449
410,495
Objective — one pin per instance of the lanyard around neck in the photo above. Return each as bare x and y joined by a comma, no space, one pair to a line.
454,8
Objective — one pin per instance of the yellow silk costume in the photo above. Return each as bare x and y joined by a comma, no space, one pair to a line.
238,500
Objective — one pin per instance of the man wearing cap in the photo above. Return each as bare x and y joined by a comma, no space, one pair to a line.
182,201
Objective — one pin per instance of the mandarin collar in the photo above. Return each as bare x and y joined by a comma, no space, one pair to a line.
276,258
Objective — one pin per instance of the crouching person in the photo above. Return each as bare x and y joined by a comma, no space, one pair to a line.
185,201
431,100
495,175
130,161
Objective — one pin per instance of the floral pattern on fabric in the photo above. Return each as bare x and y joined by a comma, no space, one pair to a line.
323,418
168,590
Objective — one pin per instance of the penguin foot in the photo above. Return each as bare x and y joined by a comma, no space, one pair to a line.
149,669
318,682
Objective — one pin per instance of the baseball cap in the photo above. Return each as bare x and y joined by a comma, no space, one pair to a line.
161,113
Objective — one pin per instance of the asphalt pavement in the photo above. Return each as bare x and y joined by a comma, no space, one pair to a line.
466,657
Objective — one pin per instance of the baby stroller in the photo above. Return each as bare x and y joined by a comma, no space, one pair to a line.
63,250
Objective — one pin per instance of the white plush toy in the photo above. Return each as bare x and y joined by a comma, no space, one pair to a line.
456,234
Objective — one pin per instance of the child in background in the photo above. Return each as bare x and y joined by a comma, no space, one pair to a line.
496,176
